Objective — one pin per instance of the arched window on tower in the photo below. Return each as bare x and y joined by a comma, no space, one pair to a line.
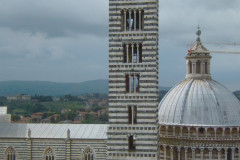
132,83
198,65
10,154
189,67
132,114
206,67
49,154
132,19
131,143
88,154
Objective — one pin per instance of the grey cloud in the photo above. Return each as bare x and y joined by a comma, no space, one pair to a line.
55,18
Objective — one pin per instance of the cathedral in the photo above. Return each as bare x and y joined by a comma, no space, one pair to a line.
198,119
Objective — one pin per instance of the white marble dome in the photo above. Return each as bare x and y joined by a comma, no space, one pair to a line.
199,102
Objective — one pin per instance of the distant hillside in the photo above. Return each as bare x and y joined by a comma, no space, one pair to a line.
54,88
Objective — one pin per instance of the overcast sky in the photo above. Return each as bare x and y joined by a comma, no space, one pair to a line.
67,40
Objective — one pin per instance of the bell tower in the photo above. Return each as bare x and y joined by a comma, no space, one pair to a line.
133,80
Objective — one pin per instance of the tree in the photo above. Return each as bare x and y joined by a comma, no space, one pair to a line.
15,117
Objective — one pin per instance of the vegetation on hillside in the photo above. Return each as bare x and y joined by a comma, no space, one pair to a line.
65,108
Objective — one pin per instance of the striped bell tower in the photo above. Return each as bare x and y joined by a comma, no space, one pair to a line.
133,80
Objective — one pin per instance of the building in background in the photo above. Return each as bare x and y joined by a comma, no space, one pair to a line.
19,97
4,117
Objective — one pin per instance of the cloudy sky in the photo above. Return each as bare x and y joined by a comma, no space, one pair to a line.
67,40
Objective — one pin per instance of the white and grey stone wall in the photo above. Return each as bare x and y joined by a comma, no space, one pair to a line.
63,149
145,97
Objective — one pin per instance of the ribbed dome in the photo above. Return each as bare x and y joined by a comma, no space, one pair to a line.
199,102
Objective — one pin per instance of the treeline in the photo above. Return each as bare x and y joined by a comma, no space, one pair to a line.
42,98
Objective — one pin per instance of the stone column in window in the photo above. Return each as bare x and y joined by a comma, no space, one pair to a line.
135,19
219,152
210,153
186,153
127,45
202,68
132,52
137,53
226,152
179,152
125,20
208,68
135,83
233,149
130,85
201,153
193,153
130,20
171,152
193,67
165,152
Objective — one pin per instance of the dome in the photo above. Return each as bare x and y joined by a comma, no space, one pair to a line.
199,102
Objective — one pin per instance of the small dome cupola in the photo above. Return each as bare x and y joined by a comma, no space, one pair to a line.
198,60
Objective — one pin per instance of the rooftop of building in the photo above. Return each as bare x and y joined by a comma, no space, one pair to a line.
53,131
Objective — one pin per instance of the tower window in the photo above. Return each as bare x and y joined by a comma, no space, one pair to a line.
132,19
132,114
198,69
206,68
189,67
131,143
132,53
132,83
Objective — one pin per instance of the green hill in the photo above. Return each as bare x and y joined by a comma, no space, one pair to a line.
54,88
